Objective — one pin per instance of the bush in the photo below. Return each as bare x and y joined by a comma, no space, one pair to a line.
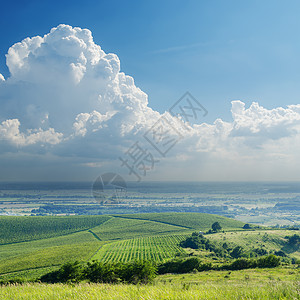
197,241
247,226
237,252
270,261
69,272
95,271
216,227
241,264
180,266
138,272
51,277
280,253
194,242
293,240
259,252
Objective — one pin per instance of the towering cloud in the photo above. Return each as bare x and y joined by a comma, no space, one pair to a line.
66,98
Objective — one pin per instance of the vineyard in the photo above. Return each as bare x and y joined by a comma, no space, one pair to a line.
188,220
155,248
47,252
21,229
124,228
29,245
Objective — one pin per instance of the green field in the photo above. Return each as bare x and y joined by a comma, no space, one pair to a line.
189,220
33,246
123,228
20,229
155,248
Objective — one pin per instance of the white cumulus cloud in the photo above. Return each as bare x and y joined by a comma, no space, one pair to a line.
67,99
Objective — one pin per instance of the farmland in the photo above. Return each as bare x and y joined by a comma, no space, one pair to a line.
125,228
16,229
47,252
155,248
48,242
188,220
257,203
125,238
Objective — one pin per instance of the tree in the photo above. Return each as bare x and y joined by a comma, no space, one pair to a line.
216,227
97,271
69,272
138,272
237,252
225,246
270,261
194,242
293,240
246,226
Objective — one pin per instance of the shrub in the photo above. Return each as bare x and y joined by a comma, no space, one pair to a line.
216,227
95,271
180,266
197,241
280,253
237,252
194,242
69,272
293,240
270,261
138,272
240,264
247,226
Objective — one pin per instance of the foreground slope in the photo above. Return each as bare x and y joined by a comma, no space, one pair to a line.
245,285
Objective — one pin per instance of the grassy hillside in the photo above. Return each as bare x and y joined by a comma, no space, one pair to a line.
20,229
195,221
10,250
248,284
123,228
33,245
271,240
47,252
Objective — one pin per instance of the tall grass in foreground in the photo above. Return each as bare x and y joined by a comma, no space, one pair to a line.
244,290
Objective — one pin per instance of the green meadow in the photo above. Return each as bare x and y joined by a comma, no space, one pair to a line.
33,246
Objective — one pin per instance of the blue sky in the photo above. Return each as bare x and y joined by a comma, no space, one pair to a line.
67,112
218,50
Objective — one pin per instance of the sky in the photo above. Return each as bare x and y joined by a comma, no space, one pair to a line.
70,110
